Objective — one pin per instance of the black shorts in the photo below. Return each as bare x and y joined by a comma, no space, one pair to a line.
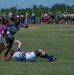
37,53
9,41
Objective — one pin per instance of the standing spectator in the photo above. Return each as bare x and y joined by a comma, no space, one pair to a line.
72,16
0,16
4,15
49,17
46,18
57,20
52,17
61,18
42,18
33,18
69,19
22,18
10,15
65,16
27,18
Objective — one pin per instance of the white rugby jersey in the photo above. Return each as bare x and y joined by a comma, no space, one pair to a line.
19,55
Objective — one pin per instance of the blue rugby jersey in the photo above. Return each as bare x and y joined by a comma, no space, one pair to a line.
13,29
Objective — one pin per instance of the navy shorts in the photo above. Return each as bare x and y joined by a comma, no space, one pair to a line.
9,41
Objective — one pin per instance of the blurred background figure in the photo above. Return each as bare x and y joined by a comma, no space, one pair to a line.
27,18
22,19
10,15
42,18
33,18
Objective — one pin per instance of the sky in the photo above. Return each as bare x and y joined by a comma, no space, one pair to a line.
30,3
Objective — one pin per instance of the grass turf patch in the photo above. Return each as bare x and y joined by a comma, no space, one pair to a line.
54,39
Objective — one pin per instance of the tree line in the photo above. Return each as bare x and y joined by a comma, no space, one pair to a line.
40,9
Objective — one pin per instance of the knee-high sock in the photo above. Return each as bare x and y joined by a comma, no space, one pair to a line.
47,56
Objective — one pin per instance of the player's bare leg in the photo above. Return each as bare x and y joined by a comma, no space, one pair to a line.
45,55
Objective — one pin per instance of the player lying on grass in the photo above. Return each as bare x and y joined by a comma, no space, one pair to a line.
18,55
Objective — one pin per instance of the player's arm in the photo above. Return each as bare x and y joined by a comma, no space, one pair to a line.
4,34
19,43
12,51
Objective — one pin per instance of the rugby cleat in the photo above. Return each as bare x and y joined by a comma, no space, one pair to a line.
6,58
53,59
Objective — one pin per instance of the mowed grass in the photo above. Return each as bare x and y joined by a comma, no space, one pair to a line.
54,39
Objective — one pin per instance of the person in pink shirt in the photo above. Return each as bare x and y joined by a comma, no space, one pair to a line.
3,30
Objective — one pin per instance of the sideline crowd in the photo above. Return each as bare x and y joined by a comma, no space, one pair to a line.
45,18
60,18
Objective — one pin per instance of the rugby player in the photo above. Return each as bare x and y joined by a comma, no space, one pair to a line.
15,26
19,55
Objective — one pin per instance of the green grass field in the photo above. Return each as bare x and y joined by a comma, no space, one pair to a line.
54,39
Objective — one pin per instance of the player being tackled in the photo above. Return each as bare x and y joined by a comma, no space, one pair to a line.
19,55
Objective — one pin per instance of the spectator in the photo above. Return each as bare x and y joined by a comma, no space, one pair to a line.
10,15
42,18
26,18
46,18
22,18
33,18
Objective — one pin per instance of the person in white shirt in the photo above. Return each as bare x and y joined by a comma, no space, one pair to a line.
19,55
